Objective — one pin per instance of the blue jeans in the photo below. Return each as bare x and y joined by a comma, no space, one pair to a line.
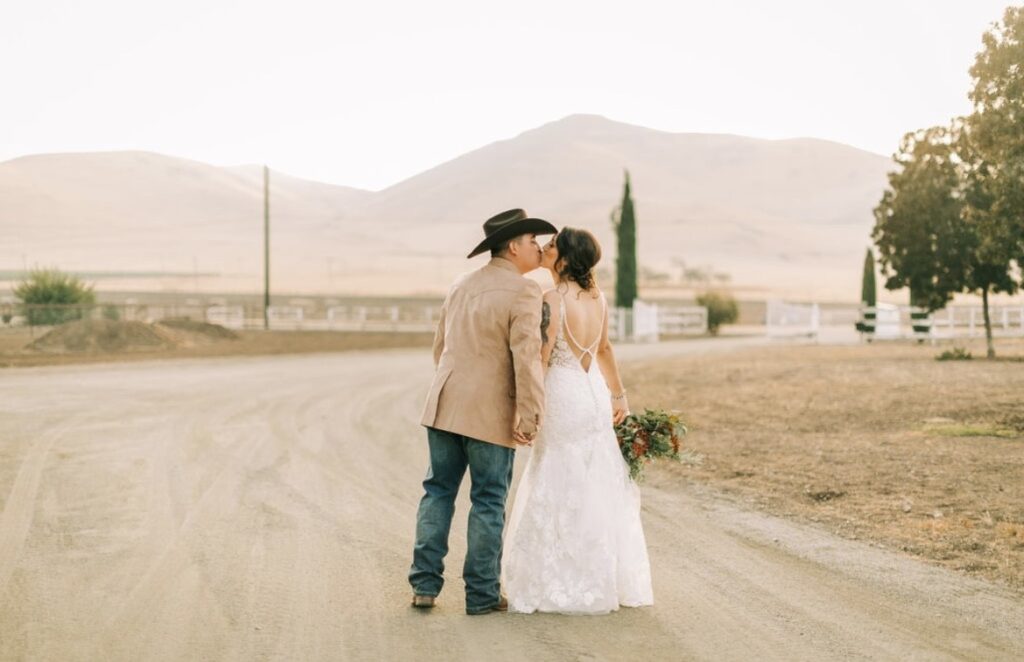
490,471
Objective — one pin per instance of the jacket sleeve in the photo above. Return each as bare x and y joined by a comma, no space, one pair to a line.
439,333
525,344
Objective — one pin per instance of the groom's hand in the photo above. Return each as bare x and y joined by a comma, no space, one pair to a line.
523,439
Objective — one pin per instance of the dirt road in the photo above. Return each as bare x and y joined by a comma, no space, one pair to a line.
263,508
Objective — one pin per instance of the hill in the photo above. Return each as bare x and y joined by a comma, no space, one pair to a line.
787,217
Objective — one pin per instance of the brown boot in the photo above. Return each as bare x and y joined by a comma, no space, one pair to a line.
423,601
501,605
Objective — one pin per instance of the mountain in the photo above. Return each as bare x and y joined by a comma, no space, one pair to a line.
144,212
791,217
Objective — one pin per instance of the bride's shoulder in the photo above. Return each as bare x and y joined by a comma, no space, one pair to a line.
552,304
551,295
598,294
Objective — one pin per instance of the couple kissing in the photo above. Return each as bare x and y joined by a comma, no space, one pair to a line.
519,367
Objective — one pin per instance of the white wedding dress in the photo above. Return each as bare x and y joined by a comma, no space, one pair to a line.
574,542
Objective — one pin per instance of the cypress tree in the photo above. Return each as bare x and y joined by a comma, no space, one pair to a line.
868,295
868,291
624,222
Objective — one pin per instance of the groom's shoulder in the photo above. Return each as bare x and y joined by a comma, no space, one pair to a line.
491,277
531,288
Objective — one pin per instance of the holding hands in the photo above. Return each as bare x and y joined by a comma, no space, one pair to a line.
522,437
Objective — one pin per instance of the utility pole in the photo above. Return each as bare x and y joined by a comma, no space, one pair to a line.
266,248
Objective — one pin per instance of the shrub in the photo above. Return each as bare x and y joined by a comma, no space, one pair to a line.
955,354
49,296
866,324
722,309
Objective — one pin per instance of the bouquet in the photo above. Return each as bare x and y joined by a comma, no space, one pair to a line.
653,434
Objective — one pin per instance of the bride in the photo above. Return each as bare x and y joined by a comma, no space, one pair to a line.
574,543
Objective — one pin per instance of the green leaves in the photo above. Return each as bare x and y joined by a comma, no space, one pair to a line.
624,222
722,309
952,219
654,434
868,289
998,89
50,296
922,240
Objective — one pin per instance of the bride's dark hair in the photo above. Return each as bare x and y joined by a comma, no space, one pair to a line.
578,253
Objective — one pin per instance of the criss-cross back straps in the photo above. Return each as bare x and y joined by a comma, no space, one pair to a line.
592,347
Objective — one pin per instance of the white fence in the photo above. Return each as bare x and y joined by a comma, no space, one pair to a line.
645,322
649,322
682,320
286,317
889,321
959,321
792,319
232,317
383,318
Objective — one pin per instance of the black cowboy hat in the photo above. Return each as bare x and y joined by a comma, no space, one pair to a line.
509,224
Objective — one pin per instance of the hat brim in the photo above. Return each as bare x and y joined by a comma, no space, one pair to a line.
523,226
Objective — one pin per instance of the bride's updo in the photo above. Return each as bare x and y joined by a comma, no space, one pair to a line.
578,253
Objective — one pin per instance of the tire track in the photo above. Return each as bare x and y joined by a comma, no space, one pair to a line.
269,508
19,507
175,557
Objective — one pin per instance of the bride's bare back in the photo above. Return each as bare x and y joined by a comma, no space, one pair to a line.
586,322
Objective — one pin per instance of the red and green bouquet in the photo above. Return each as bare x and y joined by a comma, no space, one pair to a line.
654,434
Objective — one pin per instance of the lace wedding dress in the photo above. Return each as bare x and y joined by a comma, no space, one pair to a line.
574,542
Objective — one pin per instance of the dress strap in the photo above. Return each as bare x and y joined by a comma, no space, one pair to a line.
590,349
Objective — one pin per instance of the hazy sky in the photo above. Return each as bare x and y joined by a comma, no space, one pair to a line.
368,93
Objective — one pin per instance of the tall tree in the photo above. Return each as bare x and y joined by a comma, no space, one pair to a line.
992,146
624,222
868,295
922,242
868,289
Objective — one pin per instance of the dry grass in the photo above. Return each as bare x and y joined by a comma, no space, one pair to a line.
881,442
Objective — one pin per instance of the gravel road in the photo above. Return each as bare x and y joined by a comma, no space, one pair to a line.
263,509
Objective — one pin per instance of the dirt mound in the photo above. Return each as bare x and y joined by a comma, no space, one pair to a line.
85,336
102,336
188,332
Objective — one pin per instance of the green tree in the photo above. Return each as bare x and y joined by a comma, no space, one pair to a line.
868,294
722,309
49,296
992,146
922,241
953,216
624,222
868,288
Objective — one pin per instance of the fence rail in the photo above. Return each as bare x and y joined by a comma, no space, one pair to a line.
285,317
34,315
645,322
889,321
783,319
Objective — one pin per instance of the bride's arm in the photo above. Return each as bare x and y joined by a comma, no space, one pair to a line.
610,370
550,320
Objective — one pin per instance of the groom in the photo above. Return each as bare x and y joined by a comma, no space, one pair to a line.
487,396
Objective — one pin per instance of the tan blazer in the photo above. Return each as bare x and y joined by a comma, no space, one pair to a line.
487,354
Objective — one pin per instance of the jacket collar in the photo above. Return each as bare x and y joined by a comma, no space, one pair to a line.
502,263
